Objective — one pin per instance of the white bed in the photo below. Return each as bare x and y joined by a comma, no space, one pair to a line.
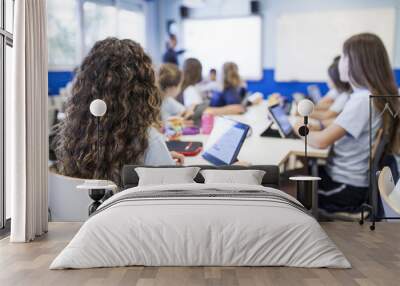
203,225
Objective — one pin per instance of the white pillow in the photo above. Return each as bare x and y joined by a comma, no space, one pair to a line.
248,177
166,176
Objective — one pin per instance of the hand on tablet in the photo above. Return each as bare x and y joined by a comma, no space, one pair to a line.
179,158
242,163
188,114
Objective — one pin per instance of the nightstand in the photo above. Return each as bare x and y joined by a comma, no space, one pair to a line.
307,192
97,189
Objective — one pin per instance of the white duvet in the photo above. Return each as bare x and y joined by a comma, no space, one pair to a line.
188,231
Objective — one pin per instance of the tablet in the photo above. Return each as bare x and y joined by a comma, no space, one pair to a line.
225,141
281,120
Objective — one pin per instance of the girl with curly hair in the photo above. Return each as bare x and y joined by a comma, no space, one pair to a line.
120,73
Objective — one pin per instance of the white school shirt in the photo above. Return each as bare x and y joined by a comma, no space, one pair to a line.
192,95
209,86
157,152
339,102
171,107
332,93
349,157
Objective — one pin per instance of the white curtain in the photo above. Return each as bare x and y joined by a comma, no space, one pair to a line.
26,128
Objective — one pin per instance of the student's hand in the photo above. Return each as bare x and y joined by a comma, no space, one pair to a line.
188,114
242,163
300,122
179,158
209,110
257,101
188,123
297,125
274,98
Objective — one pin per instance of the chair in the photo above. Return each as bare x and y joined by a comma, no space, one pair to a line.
388,193
377,153
66,203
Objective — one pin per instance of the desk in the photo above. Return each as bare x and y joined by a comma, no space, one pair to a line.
258,150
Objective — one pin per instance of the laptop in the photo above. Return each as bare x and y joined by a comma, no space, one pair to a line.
225,141
281,120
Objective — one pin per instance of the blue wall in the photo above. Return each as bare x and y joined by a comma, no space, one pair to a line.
268,85
57,80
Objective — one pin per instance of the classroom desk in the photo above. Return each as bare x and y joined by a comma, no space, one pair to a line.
258,150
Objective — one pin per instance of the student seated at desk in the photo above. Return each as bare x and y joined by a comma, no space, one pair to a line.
333,103
211,84
192,90
365,65
212,75
120,73
229,100
169,82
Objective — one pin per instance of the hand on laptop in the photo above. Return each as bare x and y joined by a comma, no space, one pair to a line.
311,126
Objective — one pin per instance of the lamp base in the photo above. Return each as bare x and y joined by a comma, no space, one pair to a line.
96,195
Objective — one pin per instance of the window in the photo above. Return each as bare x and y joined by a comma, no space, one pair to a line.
75,25
63,27
99,23
9,11
8,69
6,43
131,26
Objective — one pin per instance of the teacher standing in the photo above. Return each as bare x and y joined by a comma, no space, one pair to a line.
171,55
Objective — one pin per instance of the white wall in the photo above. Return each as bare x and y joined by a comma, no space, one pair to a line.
151,10
270,10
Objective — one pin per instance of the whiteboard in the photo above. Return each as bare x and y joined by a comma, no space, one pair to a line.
215,41
308,42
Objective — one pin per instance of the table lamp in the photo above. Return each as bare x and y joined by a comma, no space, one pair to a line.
307,186
305,108
98,108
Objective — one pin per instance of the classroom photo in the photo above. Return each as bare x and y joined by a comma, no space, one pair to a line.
199,142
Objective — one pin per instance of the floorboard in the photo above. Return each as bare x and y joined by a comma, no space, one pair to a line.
375,257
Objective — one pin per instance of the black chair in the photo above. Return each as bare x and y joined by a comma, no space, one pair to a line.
373,203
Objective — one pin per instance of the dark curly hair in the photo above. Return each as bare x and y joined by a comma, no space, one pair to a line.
120,73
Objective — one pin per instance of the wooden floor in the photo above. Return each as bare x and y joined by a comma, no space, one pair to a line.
375,257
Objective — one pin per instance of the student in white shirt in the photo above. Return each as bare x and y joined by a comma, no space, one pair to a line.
333,103
169,80
192,92
365,65
211,84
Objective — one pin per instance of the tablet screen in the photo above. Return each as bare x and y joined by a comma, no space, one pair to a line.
225,141
282,119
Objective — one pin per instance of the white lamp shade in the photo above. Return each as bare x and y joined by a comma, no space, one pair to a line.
305,107
98,107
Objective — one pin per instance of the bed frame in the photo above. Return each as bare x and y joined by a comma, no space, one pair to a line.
130,178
